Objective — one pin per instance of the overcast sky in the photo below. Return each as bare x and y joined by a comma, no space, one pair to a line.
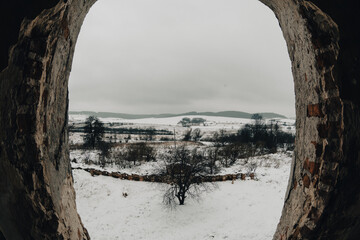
172,56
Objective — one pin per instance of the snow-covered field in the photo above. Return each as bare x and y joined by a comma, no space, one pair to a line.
212,124
241,210
211,121
163,121
247,209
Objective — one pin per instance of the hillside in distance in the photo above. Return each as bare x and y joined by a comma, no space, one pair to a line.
232,114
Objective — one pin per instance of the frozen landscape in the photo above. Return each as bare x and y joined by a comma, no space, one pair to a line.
111,208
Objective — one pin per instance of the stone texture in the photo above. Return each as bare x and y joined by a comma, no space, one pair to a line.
314,110
326,161
164,178
36,184
37,198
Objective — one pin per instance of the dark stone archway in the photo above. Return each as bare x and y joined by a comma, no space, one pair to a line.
37,198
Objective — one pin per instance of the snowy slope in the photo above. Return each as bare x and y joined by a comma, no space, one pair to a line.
162,121
175,120
213,124
243,210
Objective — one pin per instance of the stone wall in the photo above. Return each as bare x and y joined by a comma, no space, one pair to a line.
36,186
164,178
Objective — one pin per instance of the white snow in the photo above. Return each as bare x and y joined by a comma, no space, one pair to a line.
162,121
247,210
212,124
243,210
146,168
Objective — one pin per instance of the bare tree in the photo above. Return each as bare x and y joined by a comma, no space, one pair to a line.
140,152
94,131
220,138
119,157
257,117
196,134
104,148
150,134
230,154
212,156
132,153
184,169
185,122
187,135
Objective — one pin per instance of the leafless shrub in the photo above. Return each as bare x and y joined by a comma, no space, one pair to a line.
119,158
184,170
251,168
87,158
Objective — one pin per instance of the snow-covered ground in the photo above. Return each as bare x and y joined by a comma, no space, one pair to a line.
241,210
212,124
162,121
146,168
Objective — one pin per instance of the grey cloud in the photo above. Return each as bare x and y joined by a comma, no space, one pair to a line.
144,56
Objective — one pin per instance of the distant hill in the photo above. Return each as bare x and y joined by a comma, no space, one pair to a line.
233,114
